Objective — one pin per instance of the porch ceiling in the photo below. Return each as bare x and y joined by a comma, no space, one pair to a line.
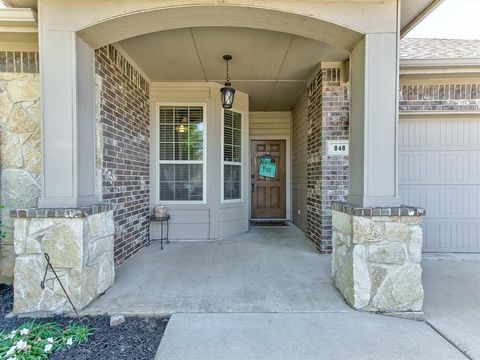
272,67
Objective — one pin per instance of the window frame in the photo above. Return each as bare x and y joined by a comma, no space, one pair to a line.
241,163
159,162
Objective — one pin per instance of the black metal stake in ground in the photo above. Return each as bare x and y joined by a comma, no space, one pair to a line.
42,284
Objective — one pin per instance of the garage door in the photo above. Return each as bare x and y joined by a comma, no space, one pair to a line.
439,169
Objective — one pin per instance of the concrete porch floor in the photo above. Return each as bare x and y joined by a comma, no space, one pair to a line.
269,269
264,293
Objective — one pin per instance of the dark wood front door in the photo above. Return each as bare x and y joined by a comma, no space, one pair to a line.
268,194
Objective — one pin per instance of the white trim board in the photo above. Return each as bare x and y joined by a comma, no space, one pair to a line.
244,130
439,114
156,136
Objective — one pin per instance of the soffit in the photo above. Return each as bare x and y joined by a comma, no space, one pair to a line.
272,67
18,30
413,11
30,4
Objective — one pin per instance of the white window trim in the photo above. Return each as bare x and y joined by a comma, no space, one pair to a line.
241,163
158,161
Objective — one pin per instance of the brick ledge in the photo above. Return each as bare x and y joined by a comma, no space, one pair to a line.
79,212
403,210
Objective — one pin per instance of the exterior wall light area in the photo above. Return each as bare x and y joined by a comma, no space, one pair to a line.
227,92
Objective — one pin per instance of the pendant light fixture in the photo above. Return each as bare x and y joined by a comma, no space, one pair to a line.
227,92
182,128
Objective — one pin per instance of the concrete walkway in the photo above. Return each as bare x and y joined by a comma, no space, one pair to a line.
452,299
267,270
316,336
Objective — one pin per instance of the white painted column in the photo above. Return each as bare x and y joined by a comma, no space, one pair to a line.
373,122
68,120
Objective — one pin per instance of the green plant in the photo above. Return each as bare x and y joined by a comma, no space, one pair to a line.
33,340
2,234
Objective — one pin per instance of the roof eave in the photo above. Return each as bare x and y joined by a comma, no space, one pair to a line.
439,66
422,15
18,20
18,30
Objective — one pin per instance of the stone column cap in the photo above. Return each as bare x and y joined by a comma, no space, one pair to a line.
79,212
403,210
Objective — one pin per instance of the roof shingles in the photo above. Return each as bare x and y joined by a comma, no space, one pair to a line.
412,48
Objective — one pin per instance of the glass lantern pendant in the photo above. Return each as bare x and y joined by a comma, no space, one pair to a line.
227,92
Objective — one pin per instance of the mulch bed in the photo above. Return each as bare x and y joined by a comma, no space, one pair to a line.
137,338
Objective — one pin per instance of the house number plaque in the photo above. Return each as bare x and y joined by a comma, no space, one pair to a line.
337,147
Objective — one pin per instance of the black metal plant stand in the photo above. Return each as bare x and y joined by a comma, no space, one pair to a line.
162,220
42,283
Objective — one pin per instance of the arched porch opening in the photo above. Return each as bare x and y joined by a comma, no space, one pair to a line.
71,85
115,29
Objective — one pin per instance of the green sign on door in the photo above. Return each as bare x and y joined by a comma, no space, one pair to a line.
267,167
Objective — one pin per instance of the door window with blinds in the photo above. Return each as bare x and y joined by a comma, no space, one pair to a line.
232,155
181,152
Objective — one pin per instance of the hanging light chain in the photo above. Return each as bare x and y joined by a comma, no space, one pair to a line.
227,58
228,77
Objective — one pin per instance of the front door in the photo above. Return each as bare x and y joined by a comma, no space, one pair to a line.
268,192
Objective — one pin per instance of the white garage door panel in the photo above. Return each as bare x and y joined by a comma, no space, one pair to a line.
451,236
439,169
442,133
439,166
442,201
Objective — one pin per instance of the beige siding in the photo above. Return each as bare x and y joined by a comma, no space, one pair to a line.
299,163
270,123
211,219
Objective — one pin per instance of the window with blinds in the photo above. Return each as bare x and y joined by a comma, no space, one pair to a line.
232,155
181,157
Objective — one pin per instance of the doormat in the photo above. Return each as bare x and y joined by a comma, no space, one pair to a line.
268,223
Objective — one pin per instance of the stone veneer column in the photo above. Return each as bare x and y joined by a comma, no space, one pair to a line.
19,146
80,245
376,257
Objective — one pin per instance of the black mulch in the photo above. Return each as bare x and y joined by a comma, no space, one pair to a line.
137,338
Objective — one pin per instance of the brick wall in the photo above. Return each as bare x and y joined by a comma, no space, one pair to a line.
123,116
327,114
18,62
327,176
460,97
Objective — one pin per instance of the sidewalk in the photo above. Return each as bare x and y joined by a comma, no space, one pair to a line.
301,336
452,300
452,309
